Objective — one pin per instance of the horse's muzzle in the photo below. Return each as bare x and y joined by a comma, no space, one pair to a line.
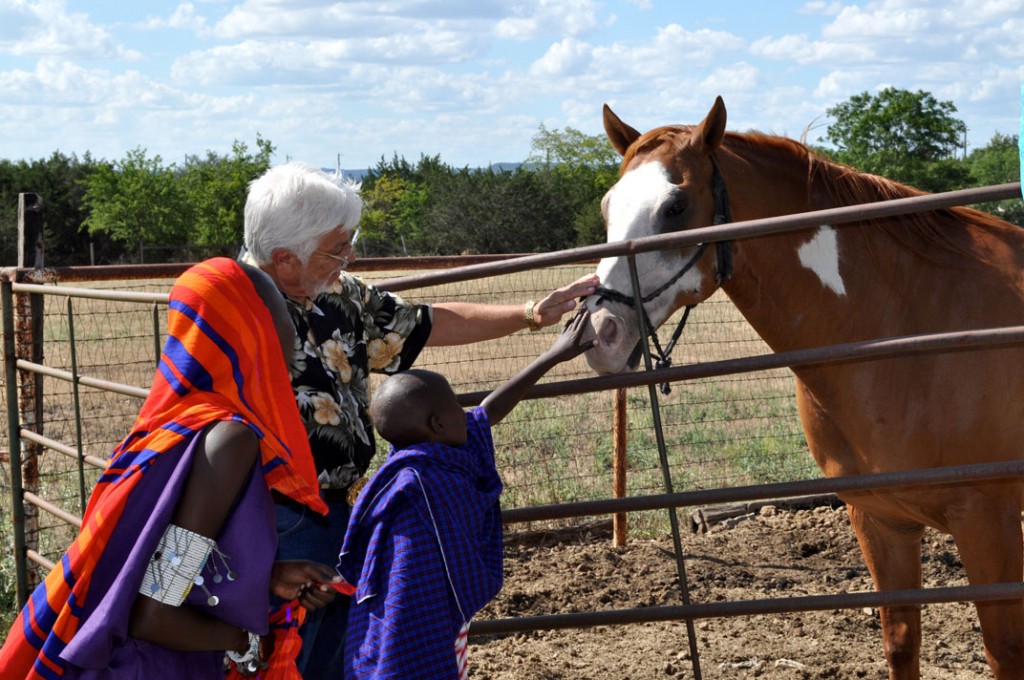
615,343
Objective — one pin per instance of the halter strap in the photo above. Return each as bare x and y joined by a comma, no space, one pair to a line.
616,296
723,215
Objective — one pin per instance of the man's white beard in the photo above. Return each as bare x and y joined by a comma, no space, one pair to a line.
313,287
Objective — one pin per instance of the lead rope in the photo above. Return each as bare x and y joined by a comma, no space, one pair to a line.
664,359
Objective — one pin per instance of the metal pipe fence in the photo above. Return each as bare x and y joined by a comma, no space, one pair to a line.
103,340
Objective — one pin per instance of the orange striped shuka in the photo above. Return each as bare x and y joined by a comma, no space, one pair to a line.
222,361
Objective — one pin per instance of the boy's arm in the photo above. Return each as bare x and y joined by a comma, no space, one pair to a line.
569,344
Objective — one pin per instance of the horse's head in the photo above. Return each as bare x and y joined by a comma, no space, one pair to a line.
665,185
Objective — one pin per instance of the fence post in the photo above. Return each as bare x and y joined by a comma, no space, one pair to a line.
29,344
14,443
30,231
620,525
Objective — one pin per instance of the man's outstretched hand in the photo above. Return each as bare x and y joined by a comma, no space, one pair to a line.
558,303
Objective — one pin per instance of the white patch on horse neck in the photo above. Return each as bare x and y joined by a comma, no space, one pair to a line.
632,205
821,256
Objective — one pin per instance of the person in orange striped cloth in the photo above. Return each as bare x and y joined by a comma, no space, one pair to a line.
174,565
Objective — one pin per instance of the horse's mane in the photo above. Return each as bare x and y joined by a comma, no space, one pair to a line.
947,229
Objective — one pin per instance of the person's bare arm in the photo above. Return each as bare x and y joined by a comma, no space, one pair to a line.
569,344
220,469
460,323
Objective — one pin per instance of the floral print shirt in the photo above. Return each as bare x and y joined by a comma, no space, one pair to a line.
343,335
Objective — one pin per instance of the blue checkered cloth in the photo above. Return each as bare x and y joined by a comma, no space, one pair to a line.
424,548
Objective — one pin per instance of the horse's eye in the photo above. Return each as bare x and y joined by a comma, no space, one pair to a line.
676,207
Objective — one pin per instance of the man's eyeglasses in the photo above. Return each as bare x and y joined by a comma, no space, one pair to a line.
346,250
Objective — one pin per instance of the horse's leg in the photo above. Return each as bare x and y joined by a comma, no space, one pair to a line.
893,556
988,536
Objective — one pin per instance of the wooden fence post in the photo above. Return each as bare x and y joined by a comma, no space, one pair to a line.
619,445
30,231
29,344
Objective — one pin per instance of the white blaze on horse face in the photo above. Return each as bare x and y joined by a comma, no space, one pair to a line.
634,200
631,210
821,256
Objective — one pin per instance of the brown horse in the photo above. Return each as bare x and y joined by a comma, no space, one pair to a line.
946,270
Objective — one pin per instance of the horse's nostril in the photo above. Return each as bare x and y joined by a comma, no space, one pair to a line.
608,333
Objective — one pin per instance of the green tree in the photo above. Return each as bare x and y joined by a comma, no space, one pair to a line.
584,167
137,201
549,203
216,188
905,136
998,162
58,180
572,148
397,197
393,211
483,211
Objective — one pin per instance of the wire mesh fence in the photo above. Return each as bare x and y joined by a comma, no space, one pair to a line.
720,432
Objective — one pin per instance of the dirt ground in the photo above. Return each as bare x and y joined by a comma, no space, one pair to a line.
770,553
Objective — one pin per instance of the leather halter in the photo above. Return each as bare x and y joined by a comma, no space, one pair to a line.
722,215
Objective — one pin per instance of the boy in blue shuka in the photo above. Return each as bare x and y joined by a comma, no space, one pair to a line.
424,542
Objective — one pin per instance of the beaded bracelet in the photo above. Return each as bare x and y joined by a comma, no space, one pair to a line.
176,565
249,662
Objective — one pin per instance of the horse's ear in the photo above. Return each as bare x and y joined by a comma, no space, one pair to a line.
711,130
619,134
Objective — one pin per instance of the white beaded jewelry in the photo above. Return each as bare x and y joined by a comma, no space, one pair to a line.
175,566
249,662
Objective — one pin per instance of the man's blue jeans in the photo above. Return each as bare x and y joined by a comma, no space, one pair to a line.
305,535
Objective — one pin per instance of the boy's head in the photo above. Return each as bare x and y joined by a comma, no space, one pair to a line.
418,406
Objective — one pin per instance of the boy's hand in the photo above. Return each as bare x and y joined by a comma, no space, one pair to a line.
576,338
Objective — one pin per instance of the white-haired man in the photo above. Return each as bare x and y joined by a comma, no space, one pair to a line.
301,228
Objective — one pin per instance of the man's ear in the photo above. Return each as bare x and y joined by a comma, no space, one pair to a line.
435,424
282,257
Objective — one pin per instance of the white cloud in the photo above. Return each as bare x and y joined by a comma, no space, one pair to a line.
255,63
564,58
76,109
472,78
571,18
800,49
739,77
520,21
885,19
44,28
822,7
261,18
184,17
266,62
956,52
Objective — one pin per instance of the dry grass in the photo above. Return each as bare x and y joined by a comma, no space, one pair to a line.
719,432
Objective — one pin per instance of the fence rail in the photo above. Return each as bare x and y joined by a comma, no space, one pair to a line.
714,375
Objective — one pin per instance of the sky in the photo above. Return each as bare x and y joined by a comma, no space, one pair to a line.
471,81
